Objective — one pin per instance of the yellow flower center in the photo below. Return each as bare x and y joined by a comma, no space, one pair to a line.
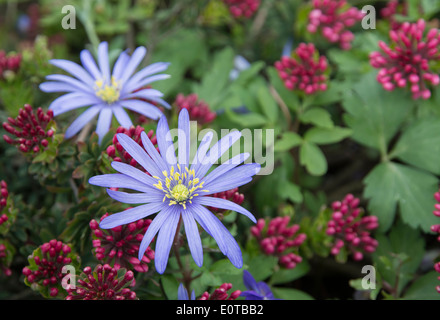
180,193
179,186
107,93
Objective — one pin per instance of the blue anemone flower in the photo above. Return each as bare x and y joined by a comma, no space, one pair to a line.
106,93
178,190
257,290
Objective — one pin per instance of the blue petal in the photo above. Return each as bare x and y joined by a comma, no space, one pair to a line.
89,64
224,204
117,180
134,173
154,227
183,135
232,179
130,215
135,60
51,86
161,102
165,240
103,61
217,151
71,101
75,69
193,237
132,86
145,72
142,107
249,281
165,142
104,122
145,94
138,154
200,155
122,116
152,152
226,167
80,86
182,293
136,198
250,295
81,121
120,64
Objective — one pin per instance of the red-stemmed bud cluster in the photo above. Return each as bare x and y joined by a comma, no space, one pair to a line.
3,260
30,129
9,62
117,152
242,8
198,109
333,18
103,283
3,201
231,195
221,293
351,229
391,8
279,240
119,246
405,63
304,70
54,256
436,228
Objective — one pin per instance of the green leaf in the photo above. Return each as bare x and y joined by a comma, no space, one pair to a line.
287,141
424,288
374,114
267,104
290,294
290,191
399,255
326,135
288,275
313,159
247,120
391,186
419,145
317,116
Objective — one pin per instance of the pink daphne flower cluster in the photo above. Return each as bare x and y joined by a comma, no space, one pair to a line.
304,70
221,293
103,283
332,18
8,63
198,109
436,229
45,269
406,61
30,129
3,201
277,239
119,246
117,152
242,8
350,229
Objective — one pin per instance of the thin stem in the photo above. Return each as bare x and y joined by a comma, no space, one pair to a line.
186,273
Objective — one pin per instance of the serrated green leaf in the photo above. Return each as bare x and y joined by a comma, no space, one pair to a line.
287,141
317,116
374,114
288,275
424,288
391,186
290,191
326,135
419,145
313,159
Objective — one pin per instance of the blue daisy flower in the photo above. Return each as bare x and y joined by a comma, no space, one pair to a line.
256,290
106,93
178,190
